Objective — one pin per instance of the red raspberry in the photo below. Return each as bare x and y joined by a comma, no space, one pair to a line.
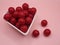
21,21
11,10
18,9
17,25
13,21
44,23
21,15
24,28
32,11
7,17
25,12
28,20
47,32
30,15
25,6
15,15
35,33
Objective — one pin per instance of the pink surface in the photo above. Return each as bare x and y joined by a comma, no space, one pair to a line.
46,9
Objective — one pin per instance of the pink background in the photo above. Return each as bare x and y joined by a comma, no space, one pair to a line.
46,9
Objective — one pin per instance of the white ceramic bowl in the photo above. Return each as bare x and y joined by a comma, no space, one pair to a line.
19,29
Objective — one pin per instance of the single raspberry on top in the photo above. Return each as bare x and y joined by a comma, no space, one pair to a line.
25,6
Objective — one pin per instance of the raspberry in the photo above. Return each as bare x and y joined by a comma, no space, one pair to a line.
24,28
44,23
21,15
15,15
18,9
25,6
21,21
47,32
35,33
30,15
32,10
11,10
17,25
13,21
26,13
7,17
28,20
